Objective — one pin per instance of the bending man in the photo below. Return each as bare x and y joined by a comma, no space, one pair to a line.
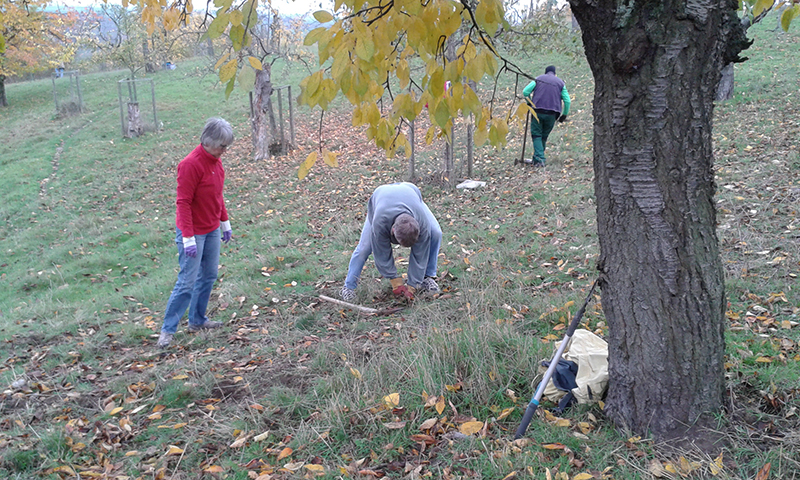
396,214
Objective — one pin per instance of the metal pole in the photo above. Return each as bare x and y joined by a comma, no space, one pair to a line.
80,97
55,96
153,96
470,140
291,118
411,159
280,120
121,115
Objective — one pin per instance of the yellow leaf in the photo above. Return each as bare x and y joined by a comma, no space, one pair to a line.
355,373
583,476
511,476
470,428
115,411
173,450
227,71
330,159
284,453
764,360
236,17
506,412
392,400
180,377
305,167
255,63
322,16
788,15
440,405
318,469
761,5
562,422
213,469
313,36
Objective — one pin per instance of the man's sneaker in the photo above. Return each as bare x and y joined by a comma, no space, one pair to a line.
537,163
207,325
429,285
348,294
164,340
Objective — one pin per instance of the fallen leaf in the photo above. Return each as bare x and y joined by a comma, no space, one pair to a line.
440,405
294,466
180,377
173,450
427,439
554,446
394,425
506,412
355,373
763,474
115,411
392,400
428,424
318,469
717,465
470,428
213,469
583,476
511,475
285,453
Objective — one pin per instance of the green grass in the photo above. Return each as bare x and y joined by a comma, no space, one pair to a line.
88,262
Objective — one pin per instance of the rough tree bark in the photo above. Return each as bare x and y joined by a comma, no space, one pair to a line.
656,65
263,121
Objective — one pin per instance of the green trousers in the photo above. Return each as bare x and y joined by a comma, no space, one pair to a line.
540,130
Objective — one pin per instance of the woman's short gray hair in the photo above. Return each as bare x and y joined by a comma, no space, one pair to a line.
216,133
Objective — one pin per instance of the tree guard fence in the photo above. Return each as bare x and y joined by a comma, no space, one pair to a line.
450,170
68,98
134,119
280,145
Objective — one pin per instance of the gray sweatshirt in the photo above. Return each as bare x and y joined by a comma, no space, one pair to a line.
386,203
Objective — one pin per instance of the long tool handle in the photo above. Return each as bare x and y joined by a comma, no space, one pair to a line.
534,403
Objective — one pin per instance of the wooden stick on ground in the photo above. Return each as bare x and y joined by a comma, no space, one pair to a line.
367,310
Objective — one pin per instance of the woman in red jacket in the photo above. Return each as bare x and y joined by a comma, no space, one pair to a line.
201,219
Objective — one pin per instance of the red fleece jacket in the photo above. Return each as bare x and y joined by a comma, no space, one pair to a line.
200,206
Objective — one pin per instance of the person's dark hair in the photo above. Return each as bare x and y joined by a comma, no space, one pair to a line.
550,69
406,229
216,133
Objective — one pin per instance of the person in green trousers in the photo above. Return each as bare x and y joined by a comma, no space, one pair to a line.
547,93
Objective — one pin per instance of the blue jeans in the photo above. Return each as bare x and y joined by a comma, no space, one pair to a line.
195,279
364,250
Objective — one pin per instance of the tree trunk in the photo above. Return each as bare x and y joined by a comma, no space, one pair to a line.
134,120
263,121
3,100
656,67
725,86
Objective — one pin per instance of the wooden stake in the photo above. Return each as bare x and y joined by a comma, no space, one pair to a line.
367,310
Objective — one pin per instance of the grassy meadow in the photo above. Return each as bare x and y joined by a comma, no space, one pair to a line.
292,387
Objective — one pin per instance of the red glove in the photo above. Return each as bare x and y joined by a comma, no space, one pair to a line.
404,291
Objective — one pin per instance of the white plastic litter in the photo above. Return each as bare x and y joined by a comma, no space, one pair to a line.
471,184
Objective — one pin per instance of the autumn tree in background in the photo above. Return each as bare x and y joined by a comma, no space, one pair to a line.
121,38
32,40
